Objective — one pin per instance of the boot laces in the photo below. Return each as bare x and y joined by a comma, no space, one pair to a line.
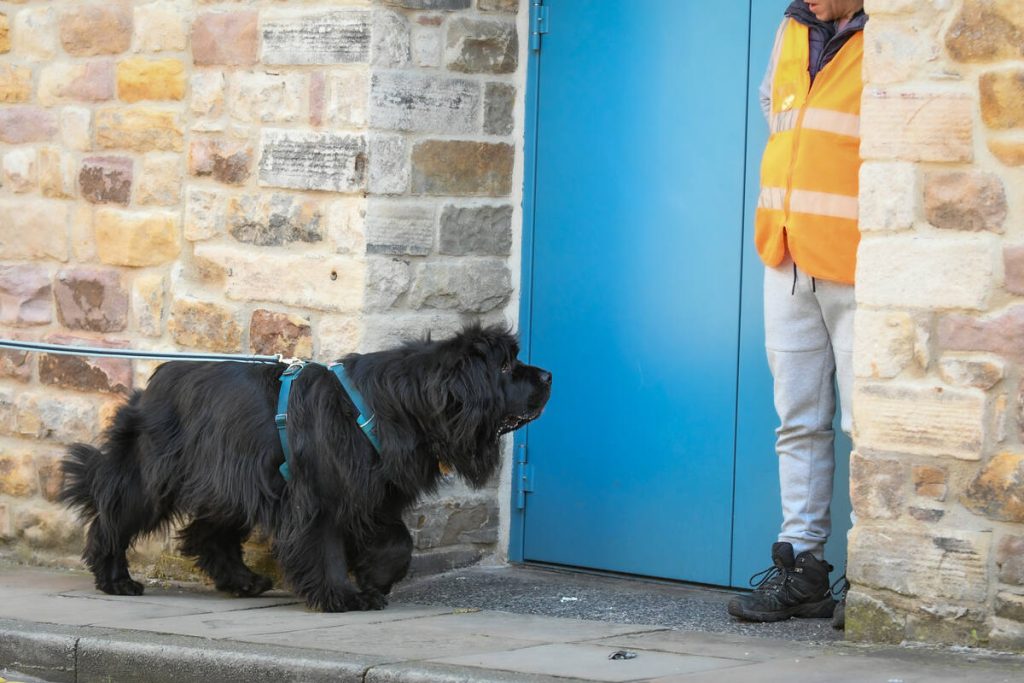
841,593
770,579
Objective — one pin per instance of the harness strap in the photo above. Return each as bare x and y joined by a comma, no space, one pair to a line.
367,424
281,418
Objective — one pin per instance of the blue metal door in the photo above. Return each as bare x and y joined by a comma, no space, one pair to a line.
641,292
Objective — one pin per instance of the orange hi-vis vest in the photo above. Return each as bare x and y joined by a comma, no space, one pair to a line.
810,168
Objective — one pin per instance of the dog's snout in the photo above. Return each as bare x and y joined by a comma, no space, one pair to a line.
545,377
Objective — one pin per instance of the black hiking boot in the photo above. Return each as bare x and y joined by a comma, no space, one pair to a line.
839,615
792,587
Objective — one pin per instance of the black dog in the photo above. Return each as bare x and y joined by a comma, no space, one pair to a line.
199,445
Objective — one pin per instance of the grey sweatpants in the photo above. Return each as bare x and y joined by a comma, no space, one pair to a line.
809,339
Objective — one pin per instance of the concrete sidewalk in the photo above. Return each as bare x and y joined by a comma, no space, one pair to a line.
55,627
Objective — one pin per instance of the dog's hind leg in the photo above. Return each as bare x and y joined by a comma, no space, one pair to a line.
384,560
217,547
105,553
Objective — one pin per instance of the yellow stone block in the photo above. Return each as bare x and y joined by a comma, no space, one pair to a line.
1009,150
17,476
15,83
5,33
142,130
127,238
144,79
205,325
56,174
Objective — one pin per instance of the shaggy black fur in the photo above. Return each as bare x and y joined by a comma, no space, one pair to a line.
199,445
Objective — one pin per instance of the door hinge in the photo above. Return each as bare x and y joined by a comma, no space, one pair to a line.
523,477
538,23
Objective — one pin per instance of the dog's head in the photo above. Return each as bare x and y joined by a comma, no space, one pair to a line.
481,390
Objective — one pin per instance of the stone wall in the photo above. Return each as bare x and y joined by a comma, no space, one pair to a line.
308,177
937,553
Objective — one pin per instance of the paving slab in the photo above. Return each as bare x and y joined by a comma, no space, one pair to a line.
55,627
58,609
276,622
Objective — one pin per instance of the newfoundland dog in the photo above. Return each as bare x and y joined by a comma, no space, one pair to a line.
199,446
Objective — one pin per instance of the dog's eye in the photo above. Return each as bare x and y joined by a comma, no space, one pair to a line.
506,368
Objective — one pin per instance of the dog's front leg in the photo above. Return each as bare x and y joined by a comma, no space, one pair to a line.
316,565
383,559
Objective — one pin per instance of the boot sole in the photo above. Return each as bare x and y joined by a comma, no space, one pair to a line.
809,610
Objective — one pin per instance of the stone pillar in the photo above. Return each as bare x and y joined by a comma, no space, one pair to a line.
938,468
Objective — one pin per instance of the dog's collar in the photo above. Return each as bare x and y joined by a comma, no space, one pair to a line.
365,423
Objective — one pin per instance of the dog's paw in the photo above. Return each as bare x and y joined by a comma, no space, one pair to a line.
341,601
374,599
250,587
123,586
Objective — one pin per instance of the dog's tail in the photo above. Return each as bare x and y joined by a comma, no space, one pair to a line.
91,474
80,467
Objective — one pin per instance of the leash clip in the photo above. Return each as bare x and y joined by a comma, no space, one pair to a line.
294,364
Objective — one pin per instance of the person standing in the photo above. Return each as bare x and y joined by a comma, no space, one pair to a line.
806,233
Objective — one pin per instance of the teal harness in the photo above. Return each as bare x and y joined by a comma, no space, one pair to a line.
366,423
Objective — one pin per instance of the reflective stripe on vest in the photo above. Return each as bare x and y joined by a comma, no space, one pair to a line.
809,173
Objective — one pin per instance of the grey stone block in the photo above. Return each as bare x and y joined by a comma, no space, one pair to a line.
428,4
499,104
498,5
383,331
476,46
390,168
451,522
387,280
412,102
477,230
469,286
400,228
338,37
392,40
313,161
444,560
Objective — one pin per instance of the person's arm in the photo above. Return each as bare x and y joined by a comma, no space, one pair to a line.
765,91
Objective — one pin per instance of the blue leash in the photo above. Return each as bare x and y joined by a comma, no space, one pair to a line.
281,418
